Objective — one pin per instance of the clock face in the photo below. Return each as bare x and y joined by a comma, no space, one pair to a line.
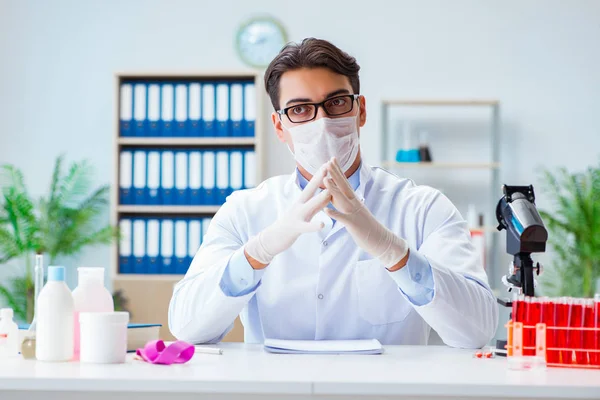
259,41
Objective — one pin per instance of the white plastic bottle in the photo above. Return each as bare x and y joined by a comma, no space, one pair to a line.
54,341
90,295
9,334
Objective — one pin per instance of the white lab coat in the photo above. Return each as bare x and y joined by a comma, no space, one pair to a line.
325,287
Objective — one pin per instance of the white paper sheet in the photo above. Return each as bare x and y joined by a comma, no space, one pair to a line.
371,346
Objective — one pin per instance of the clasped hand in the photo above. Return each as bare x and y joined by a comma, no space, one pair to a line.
366,231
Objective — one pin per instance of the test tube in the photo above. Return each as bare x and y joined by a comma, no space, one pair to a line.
38,283
529,326
595,360
575,335
518,309
588,335
562,321
548,318
518,315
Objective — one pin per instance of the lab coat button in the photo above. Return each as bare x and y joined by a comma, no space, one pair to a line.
320,296
418,277
325,243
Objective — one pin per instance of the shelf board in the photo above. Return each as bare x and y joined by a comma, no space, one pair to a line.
167,141
454,165
221,73
148,277
168,209
441,103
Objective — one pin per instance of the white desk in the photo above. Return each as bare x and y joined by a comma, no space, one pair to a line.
247,371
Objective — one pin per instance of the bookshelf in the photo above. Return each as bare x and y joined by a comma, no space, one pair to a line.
177,122
399,109
150,140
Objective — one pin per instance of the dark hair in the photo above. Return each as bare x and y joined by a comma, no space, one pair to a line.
311,53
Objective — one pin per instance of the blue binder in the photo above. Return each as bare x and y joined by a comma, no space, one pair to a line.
140,176
249,109
139,245
181,109
154,123
195,177
223,119
223,183
236,170
249,169
205,225
181,246
236,94
152,245
125,245
140,108
167,178
209,104
194,238
194,123
167,109
126,178
166,254
126,109
181,178
153,182
209,175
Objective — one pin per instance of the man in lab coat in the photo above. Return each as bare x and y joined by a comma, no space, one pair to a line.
338,249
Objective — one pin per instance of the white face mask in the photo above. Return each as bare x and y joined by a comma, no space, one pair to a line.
317,141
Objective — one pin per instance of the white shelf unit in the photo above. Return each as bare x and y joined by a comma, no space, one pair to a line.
120,143
493,165
443,165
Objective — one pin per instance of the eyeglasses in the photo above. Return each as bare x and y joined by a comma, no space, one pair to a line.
334,106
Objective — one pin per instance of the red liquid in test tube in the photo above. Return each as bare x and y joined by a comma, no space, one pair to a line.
548,315
575,335
588,335
536,318
519,309
518,312
596,355
529,326
562,321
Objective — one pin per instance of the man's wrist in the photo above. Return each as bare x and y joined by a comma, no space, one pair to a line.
400,264
255,264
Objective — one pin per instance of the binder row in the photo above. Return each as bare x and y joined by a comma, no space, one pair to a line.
159,245
184,177
187,109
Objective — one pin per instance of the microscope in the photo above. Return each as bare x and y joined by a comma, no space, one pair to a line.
525,234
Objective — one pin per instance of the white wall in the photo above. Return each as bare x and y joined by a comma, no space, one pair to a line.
539,58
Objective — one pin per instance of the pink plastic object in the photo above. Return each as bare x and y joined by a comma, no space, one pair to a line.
155,352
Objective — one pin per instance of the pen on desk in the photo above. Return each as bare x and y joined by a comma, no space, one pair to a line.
208,350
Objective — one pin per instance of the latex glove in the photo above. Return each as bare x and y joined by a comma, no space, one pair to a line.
367,232
297,220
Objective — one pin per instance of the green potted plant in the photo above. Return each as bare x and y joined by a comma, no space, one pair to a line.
60,224
573,223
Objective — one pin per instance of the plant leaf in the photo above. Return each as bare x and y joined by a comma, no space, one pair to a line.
574,227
